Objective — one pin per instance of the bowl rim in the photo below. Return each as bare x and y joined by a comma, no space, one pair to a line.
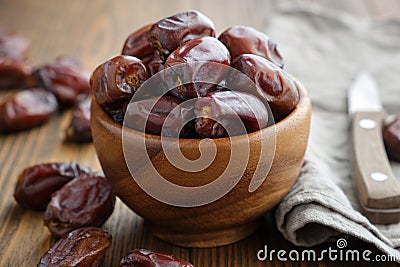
301,106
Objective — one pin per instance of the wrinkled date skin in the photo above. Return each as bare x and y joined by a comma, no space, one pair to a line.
84,247
273,84
37,183
204,59
87,200
168,34
115,81
79,128
150,114
391,138
14,66
148,258
66,78
155,65
137,45
26,109
247,40
229,109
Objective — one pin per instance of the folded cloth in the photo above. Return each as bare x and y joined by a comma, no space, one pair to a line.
324,50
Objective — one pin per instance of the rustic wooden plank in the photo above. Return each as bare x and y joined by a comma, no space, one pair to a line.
95,32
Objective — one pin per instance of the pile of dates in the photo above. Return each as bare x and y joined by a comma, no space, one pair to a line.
71,195
45,89
87,247
76,202
175,78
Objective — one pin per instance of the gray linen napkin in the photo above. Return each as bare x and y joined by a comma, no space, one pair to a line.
325,50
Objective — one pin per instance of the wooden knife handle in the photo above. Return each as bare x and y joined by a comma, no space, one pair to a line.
377,185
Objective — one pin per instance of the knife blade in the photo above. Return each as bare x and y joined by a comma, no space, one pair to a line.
378,188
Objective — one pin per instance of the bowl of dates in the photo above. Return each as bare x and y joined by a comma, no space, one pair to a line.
199,134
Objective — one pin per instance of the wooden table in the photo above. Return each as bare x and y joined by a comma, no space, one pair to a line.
95,31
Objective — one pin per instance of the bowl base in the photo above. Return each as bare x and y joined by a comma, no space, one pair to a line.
205,239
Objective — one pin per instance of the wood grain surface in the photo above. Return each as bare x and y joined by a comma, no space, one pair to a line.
95,31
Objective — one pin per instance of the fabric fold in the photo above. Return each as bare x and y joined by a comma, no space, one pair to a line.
324,50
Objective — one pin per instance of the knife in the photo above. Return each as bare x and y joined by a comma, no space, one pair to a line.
377,186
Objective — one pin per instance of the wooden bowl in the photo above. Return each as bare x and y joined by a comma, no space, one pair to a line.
231,218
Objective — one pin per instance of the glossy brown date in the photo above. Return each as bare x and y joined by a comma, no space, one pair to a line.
155,65
87,200
169,33
66,78
37,183
26,109
151,114
222,113
79,129
14,66
391,138
137,45
148,258
202,59
84,247
116,81
247,40
270,83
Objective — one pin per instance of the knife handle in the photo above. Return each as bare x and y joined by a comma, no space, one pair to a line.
377,185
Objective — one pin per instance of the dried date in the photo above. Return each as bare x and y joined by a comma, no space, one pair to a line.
14,66
37,183
26,109
201,64
116,81
247,40
268,82
169,33
66,78
155,65
391,138
151,114
222,113
80,248
137,45
148,258
87,200
79,128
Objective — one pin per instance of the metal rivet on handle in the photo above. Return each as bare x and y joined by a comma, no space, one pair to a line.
378,176
367,124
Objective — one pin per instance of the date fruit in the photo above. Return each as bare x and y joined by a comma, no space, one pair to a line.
66,78
391,138
116,81
185,61
169,33
247,40
229,109
79,128
14,66
26,109
203,59
148,258
155,64
87,200
271,83
37,183
137,45
83,247
151,114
